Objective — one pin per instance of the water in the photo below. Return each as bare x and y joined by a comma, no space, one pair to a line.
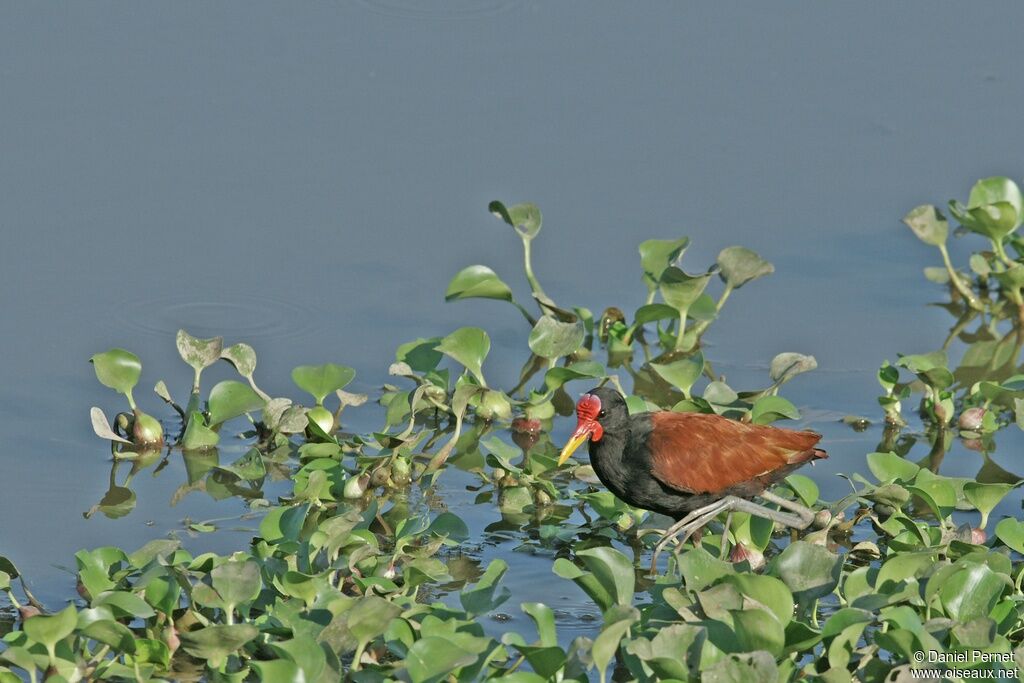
309,181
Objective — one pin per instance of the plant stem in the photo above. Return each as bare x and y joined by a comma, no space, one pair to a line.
964,290
538,292
682,330
526,314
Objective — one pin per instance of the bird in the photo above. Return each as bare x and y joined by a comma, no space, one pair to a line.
690,466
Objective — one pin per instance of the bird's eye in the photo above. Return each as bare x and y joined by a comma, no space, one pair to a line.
601,414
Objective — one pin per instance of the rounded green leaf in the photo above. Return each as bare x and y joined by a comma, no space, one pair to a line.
758,629
432,657
803,487
525,218
230,399
928,224
996,190
320,380
214,644
468,346
740,265
197,435
972,592
889,467
985,497
1011,532
552,338
768,409
450,526
810,571
237,581
682,373
786,366
117,369
199,353
50,630
242,356
657,255
612,570
680,290
768,591
477,282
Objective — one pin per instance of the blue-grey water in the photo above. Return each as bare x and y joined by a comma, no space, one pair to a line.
308,178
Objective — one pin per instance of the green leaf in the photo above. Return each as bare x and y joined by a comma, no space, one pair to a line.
117,369
214,643
996,190
432,657
477,282
972,592
657,255
607,643
525,218
320,380
810,571
768,591
199,353
370,616
243,357
928,224
740,265
544,618
230,399
985,497
682,373
680,290
786,366
50,630
803,487
558,376
700,570
758,629
613,571
450,526
654,312
1011,532
124,604
197,435
889,467
486,594
237,581
768,409
551,338
468,346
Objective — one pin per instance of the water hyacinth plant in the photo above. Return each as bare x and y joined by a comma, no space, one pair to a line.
357,570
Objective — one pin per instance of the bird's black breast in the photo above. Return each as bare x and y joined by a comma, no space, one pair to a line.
622,461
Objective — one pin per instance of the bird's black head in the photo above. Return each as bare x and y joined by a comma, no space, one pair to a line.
598,411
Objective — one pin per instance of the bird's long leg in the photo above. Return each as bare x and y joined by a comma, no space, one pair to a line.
702,516
806,514
724,545
675,529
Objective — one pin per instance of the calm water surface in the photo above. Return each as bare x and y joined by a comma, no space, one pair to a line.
308,181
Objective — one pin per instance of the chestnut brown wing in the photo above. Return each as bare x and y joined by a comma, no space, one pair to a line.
699,453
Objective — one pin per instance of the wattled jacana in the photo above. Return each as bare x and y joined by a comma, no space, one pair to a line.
689,466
